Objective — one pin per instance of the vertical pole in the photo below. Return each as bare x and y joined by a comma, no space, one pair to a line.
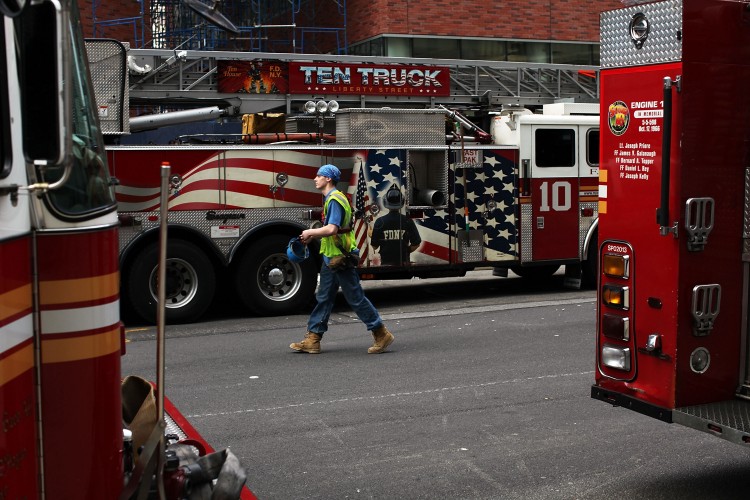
160,336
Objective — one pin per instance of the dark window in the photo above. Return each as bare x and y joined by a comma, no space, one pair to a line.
572,53
592,147
436,48
555,147
5,149
484,50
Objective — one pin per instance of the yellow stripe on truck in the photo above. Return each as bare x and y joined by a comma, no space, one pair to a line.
78,348
14,302
79,290
16,364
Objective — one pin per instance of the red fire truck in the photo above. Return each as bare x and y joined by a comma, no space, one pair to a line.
61,338
672,323
521,198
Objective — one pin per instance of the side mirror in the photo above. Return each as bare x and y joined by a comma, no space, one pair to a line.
45,43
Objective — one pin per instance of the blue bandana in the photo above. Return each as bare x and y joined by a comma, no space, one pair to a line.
330,171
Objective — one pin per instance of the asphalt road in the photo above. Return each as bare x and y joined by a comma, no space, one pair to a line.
483,395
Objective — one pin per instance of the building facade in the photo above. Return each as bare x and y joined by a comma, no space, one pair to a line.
544,31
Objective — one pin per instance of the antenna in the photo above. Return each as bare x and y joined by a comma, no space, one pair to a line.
211,14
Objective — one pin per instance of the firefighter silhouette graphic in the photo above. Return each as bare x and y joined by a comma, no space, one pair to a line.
394,235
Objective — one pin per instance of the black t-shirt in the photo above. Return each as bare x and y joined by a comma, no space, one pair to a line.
393,234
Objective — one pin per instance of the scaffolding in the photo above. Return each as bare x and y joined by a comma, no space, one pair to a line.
291,26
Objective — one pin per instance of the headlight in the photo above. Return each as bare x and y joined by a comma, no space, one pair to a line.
310,107
616,357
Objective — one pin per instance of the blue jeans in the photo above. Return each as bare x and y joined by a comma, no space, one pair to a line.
348,280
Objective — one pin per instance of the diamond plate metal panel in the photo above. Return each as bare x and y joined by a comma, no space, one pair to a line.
732,417
390,126
107,60
246,220
664,41
470,245
526,231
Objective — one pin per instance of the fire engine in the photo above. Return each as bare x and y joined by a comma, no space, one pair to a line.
672,321
61,339
522,197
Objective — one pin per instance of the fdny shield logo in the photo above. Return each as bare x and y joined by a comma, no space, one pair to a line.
618,117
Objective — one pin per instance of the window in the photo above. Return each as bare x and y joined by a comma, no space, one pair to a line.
5,147
592,147
484,50
436,48
572,53
555,147
398,47
538,52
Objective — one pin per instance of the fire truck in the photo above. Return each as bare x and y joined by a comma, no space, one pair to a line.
672,321
522,197
61,339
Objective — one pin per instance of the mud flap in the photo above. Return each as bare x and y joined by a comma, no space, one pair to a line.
573,276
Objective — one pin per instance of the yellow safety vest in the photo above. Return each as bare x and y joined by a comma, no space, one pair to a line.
328,245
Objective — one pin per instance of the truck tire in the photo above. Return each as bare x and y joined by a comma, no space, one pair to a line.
190,283
269,284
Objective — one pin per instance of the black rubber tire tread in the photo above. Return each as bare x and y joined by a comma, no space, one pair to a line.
141,298
250,294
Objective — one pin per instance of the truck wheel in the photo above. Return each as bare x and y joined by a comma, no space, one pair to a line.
535,272
267,283
190,283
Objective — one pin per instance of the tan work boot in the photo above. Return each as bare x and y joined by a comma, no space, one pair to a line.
310,344
383,339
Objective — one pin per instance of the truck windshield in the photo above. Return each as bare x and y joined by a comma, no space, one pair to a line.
89,190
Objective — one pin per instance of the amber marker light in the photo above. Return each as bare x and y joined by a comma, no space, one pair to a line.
617,266
616,296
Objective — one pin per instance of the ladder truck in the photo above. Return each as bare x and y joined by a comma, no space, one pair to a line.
521,197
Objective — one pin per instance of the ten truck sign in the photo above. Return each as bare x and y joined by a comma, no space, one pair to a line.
263,77
368,79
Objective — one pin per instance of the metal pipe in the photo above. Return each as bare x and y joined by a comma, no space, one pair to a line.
148,122
161,310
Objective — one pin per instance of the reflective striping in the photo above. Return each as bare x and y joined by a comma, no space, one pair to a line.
79,290
79,348
602,207
82,319
16,364
15,302
16,333
603,191
602,175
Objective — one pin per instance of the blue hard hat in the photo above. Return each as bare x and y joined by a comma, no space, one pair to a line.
297,251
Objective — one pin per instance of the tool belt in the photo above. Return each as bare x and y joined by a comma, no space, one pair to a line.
347,260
